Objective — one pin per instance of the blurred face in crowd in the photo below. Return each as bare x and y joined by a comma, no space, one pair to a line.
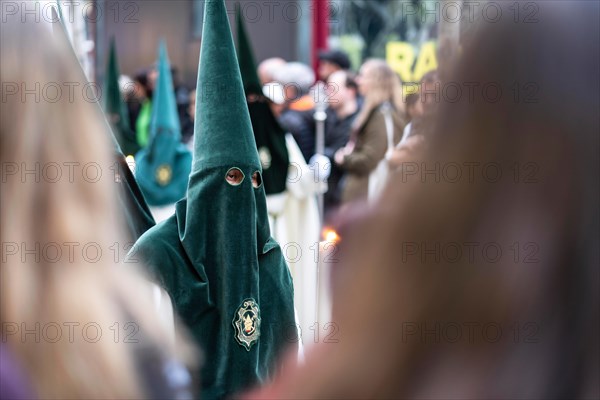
152,77
364,80
139,91
337,92
326,68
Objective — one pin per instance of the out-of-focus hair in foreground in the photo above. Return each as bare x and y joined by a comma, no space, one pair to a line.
49,298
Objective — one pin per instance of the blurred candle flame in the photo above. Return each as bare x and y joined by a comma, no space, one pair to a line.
330,235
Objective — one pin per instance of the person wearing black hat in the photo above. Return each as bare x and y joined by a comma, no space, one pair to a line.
331,61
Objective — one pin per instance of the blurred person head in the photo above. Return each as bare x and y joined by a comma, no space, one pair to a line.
268,68
142,89
152,77
65,289
378,84
341,90
331,61
544,304
297,79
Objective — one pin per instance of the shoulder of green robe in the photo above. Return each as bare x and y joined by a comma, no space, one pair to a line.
159,252
273,257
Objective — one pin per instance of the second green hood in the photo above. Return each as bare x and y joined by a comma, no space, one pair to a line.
269,135
115,107
163,167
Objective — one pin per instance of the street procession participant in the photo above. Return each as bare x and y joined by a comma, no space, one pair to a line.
226,276
163,167
132,204
289,182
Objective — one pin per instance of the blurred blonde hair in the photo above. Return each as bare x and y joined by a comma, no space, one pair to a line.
385,86
38,131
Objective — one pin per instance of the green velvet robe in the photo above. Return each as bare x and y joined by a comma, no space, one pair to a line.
226,276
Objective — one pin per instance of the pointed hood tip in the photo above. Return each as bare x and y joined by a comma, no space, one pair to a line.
246,57
164,96
162,47
223,131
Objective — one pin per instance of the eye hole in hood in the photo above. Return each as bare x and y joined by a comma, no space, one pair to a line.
256,180
234,176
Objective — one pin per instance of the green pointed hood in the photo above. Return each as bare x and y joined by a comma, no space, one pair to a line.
268,134
246,57
115,107
227,277
223,135
135,211
163,167
164,106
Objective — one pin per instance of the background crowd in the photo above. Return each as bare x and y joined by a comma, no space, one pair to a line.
355,133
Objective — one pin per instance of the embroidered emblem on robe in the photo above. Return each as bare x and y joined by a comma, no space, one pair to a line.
247,323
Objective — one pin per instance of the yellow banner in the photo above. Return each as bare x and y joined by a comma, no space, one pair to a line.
402,58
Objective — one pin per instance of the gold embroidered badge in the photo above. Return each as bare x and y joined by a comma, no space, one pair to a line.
163,174
247,323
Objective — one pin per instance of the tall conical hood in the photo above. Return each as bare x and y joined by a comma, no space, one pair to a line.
115,107
164,106
246,58
269,135
163,167
215,257
136,213
223,135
